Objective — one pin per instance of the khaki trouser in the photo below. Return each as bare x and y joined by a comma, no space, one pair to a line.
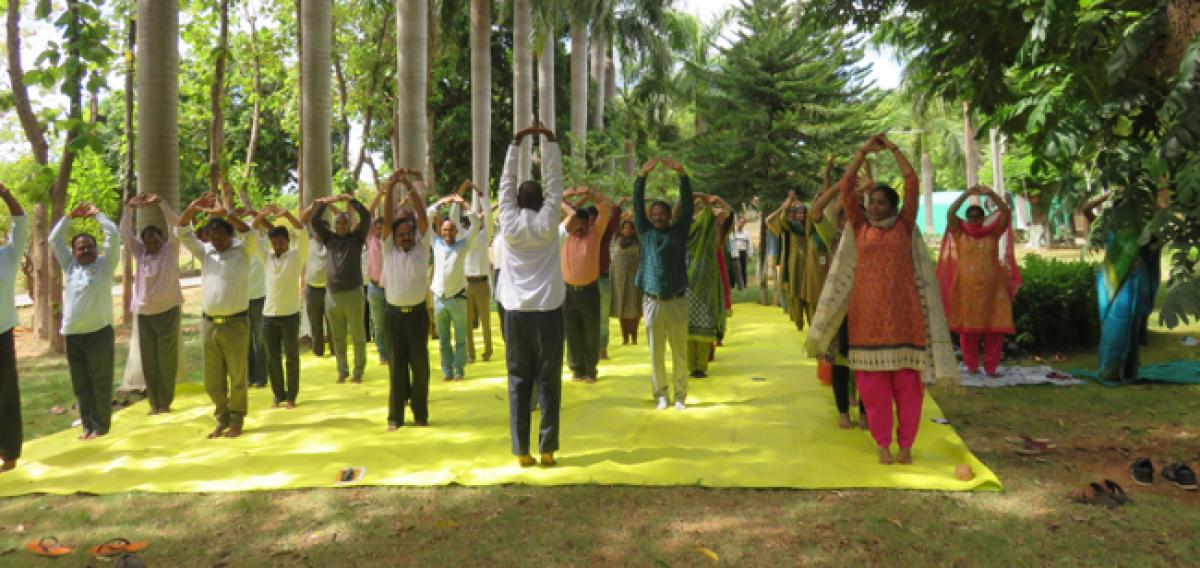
479,311
226,365
667,322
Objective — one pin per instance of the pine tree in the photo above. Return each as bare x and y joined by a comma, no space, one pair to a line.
784,95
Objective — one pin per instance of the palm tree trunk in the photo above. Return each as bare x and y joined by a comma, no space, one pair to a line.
481,96
130,148
523,81
316,23
256,116
430,49
411,81
158,105
579,87
599,75
546,80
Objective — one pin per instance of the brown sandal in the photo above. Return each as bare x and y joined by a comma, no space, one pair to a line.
1093,494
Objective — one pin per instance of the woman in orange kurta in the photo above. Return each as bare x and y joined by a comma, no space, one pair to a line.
886,315
977,285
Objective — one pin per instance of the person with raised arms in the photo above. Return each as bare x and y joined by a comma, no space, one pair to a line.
157,298
225,303
663,279
88,315
288,250
344,296
449,286
581,272
406,322
11,434
532,291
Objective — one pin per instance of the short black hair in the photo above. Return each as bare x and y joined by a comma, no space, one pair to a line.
583,214
888,193
660,203
151,230
592,211
219,224
82,236
976,208
529,195
279,232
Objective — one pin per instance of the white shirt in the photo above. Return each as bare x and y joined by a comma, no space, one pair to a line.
283,274
404,282
87,289
314,266
449,261
477,264
739,240
10,262
258,279
530,269
224,276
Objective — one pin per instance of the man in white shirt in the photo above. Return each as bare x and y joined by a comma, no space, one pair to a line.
281,309
87,315
739,248
11,435
405,258
479,294
225,302
449,287
315,279
532,291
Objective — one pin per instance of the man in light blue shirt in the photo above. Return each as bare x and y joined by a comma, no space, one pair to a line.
88,315
10,395
449,286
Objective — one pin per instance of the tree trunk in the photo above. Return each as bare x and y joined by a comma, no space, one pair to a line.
316,24
579,87
481,96
130,149
430,49
599,75
971,156
546,80
927,191
343,118
523,81
216,133
630,162
158,105
412,42
256,113
300,103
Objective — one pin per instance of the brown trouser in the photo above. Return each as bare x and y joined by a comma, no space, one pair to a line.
479,313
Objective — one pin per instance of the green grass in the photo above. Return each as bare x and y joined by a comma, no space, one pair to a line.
1098,430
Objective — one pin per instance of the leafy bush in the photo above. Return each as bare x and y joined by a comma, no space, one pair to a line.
1056,306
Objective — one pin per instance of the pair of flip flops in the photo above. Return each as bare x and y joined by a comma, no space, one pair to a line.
1031,446
50,547
1108,493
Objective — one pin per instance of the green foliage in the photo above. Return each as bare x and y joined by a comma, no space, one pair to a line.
1056,306
783,97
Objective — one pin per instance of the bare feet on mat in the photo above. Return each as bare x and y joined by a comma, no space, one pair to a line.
905,456
233,431
548,459
526,461
275,404
290,405
392,426
885,456
844,421
217,432
8,465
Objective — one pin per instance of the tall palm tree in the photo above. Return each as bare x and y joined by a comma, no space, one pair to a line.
547,35
158,105
316,23
523,80
412,31
580,14
481,96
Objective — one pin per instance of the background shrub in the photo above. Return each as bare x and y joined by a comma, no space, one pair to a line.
1056,307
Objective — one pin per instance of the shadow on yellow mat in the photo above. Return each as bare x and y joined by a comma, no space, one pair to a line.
736,432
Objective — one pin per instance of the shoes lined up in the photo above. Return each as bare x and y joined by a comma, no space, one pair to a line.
1178,473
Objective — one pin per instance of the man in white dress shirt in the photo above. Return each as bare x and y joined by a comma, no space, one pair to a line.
10,395
281,310
532,291
88,315
405,259
225,302
449,286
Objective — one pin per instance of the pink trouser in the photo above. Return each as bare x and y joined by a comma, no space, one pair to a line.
993,343
878,390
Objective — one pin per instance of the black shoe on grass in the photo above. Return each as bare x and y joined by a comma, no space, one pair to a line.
1181,475
1142,471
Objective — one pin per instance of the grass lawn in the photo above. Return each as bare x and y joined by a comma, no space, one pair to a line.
1098,430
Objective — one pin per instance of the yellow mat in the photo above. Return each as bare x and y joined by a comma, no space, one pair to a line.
736,432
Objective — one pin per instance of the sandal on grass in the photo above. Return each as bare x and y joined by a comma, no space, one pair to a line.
1116,492
48,547
1034,446
1093,494
1181,475
116,547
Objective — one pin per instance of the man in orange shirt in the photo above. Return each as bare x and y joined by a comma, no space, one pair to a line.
581,270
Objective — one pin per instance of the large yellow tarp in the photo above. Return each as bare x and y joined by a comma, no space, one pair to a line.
736,432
